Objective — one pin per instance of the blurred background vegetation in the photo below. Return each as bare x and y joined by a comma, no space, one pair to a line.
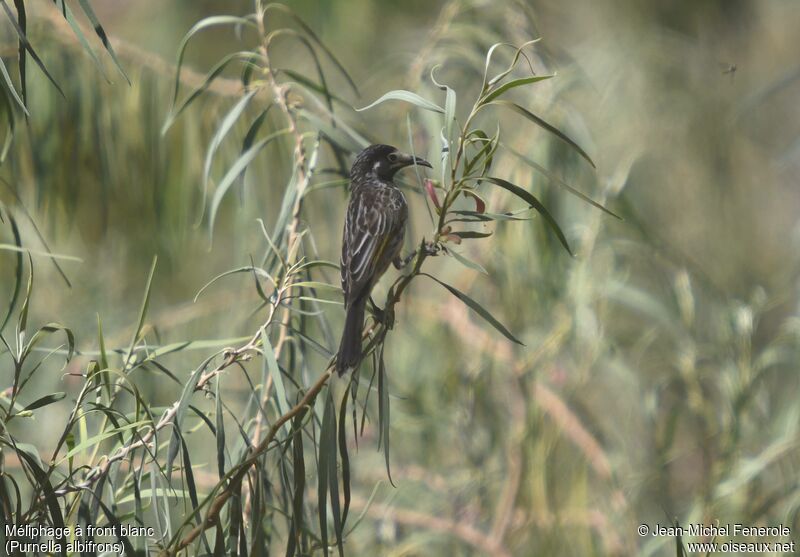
659,376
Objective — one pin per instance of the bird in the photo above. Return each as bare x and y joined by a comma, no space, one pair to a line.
374,228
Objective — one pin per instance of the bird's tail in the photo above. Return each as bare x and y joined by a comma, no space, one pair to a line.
350,346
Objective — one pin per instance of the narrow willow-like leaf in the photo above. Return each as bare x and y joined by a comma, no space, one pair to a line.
539,122
45,401
12,124
235,170
271,365
10,87
18,271
220,429
183,403
323,471
510,67
227,123
22,19
9,247
187,472
485,217
215,71
492,95
449,118
342,135
528,197
46,330
311,85
345,458
405,96
467,262
558,181
310,32
206,23
299,485
329,440
24,43
471,234
383,412
22,319
142,311
247,142
66,12
477,308
95,439
101,33
248,269
43,482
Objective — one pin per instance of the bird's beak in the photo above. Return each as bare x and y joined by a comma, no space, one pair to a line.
409,160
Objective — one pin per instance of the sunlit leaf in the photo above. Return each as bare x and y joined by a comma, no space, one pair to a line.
405,96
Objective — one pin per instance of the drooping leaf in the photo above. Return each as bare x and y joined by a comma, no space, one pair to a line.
528,197
101,33
558,181
492,95
405,96
44,401
477,308
540,122
235,170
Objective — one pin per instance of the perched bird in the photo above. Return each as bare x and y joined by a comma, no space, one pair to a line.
373,236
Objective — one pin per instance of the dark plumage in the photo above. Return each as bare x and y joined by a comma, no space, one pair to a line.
373,236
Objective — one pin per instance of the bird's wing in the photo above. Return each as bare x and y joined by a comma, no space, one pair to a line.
369,228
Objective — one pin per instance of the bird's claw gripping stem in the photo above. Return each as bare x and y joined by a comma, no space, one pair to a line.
429,248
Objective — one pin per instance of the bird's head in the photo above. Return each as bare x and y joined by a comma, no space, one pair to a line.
382,162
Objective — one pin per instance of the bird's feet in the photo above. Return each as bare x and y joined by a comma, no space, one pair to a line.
429,248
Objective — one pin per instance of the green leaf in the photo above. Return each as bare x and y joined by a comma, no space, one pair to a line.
142,311
45,401
18,272
536,204
492,95
26,45
466,262
271,364
405,96
328,425
206,23
95,439
235,170
538,121
383,412
310,32
9,247
471,234
558,181
220,429
477,308
10,87
345,463
248,269
227,123
197,91
101,33
66,12
510,68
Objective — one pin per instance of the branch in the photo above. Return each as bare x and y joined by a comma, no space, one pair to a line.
236,481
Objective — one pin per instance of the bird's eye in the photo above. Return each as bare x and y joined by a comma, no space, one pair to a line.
392,157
